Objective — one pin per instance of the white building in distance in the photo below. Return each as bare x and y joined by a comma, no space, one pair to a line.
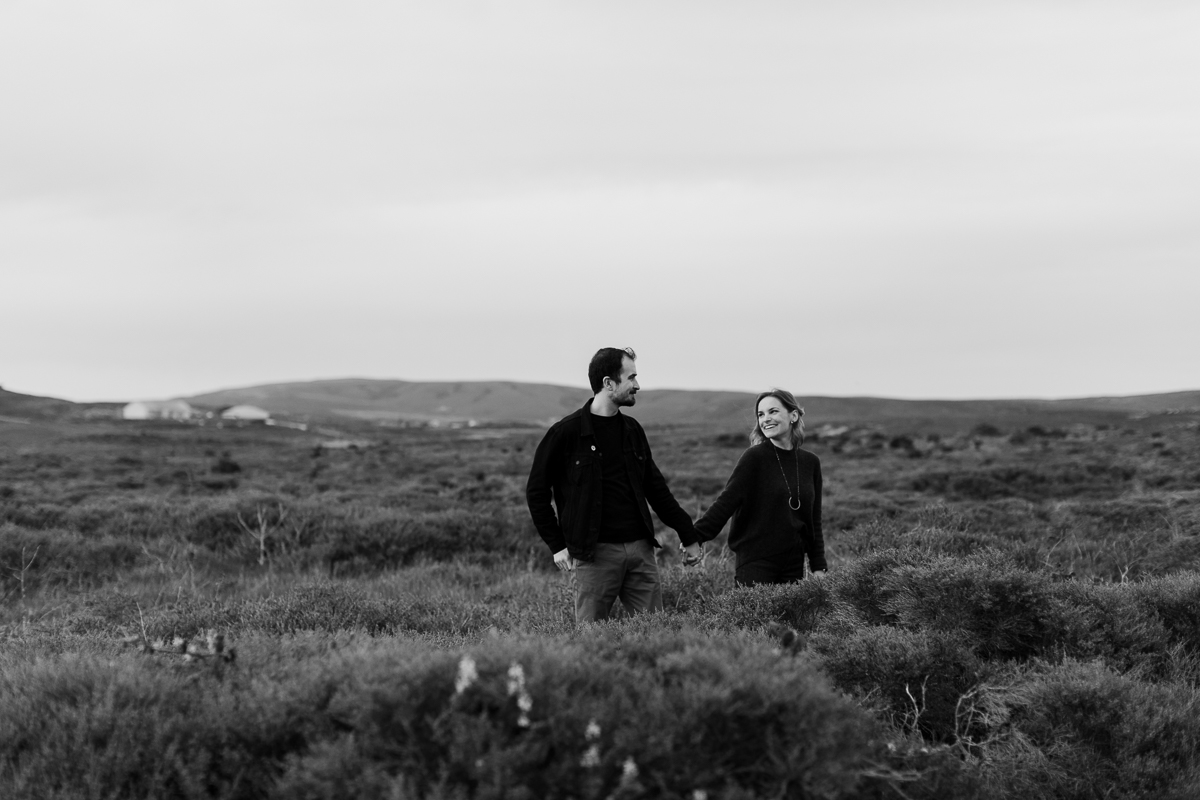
246,413
158,409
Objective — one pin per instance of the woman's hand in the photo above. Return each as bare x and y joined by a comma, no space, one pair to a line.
693,554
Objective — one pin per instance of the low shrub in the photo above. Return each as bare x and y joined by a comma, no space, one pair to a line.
937,539
353,539
220,524
322,607
914,677
1175,600
1114,736
34,515
686,713
387,539
860,584
1072,479
132,518
1174,553
98,727
615,711
996,607
31,560
798,605
695,588
1003,611
854,508
1113,623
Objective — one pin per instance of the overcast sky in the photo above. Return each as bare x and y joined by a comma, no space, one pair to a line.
919,199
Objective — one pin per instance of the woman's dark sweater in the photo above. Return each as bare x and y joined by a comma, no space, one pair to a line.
756,496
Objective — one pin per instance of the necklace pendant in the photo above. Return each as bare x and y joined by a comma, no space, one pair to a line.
788,485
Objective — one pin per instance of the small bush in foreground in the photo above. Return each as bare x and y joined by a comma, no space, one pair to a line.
915,678
1106,735
616,710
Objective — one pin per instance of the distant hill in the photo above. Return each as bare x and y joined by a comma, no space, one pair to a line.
16,408
397,401
1166,403
538,404
26,407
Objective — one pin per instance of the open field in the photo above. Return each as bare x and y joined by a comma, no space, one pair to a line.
1011,612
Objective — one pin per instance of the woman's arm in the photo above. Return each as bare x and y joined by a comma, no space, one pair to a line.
729,501
816,552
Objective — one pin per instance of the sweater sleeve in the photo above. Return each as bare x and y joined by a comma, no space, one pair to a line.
729,501
816,552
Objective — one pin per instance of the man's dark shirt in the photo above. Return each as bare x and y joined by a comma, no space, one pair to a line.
620,519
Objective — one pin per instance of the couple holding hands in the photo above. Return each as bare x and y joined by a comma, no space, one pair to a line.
593,483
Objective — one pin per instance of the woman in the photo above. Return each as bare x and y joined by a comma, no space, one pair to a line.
774,497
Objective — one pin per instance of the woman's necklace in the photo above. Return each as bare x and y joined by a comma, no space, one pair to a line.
796,507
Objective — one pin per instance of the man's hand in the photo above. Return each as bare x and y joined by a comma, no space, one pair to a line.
563,560
693,554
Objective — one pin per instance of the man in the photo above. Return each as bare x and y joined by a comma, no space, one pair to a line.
595,465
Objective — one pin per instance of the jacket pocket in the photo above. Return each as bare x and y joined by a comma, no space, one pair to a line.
580,468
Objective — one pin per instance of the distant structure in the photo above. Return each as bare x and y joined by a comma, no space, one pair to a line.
158,409
246,413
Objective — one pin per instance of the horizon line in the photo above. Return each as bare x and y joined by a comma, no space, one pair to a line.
927,399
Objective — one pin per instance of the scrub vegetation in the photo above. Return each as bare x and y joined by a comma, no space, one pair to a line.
249,613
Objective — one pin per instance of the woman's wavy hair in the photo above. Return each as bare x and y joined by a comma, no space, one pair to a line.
789,402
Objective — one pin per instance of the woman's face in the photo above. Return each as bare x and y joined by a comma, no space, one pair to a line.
774,420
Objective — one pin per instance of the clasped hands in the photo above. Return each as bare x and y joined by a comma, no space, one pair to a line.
693,554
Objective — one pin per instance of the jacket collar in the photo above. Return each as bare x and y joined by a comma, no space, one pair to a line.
585,419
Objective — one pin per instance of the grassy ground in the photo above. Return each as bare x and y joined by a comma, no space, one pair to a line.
241,612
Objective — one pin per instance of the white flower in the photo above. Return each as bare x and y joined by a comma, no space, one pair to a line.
592,731
591,758
467,674
516,686
516,679
699,794
629,770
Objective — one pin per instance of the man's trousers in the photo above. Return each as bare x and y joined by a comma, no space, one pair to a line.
620,571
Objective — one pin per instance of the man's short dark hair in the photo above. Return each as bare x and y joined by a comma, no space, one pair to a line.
607,364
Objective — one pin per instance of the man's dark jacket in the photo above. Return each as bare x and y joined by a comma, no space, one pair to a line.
567,470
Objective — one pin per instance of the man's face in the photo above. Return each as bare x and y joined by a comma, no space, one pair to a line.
623,391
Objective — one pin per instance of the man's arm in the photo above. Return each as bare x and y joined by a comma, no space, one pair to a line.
539,491
658,495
